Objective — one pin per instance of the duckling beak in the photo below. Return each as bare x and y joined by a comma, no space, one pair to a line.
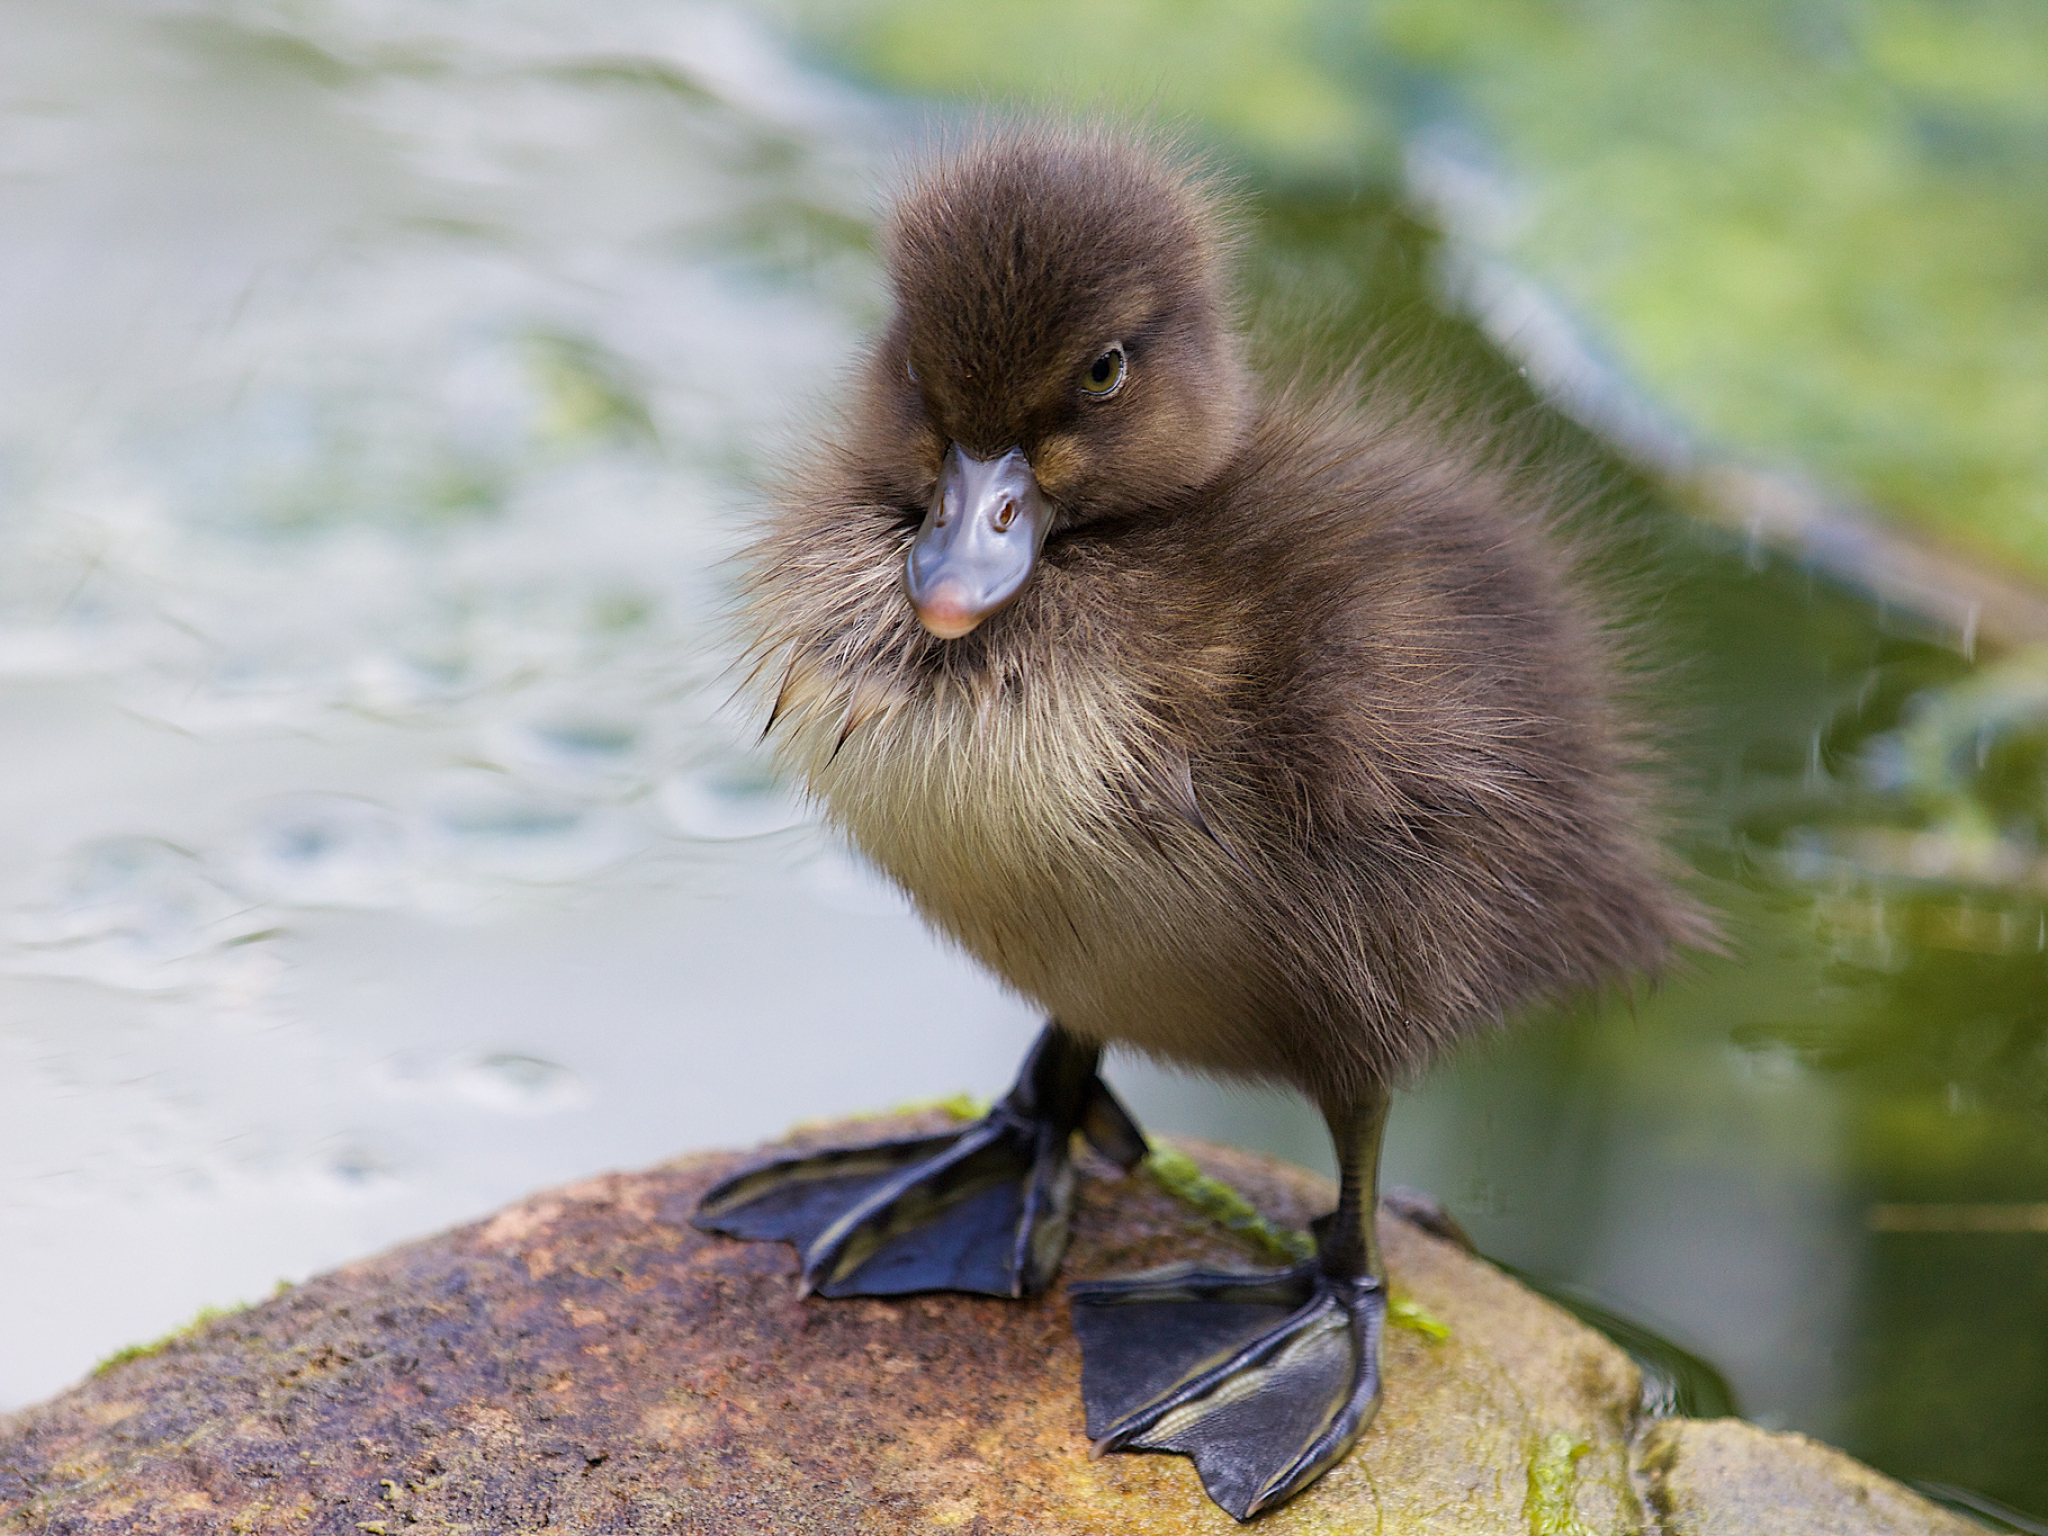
980,540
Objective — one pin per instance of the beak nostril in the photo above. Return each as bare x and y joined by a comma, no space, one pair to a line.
1005,516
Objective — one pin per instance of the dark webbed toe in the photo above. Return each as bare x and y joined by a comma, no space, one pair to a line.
985,1209
933,1214
1264,1379
793,1200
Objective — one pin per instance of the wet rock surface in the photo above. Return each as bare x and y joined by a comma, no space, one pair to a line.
587,1361
1723,1477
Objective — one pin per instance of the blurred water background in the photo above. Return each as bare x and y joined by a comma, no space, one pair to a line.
382,386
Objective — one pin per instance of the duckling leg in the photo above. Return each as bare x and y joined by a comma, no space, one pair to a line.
1265,1378
984,1209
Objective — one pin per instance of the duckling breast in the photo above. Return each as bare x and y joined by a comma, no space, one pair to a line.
1038,818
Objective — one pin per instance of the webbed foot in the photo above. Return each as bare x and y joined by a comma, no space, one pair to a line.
983,1209
1265,1379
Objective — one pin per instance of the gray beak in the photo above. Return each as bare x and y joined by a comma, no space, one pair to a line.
979,542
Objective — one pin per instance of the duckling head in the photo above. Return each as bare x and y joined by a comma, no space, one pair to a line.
1061,354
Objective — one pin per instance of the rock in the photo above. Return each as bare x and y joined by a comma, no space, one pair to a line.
587,1361
1722,1477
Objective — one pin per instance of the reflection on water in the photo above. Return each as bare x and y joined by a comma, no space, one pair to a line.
383,386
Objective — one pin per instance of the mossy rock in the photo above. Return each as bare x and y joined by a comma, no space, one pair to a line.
587,1361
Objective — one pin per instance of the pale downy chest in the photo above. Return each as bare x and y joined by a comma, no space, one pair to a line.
1015,818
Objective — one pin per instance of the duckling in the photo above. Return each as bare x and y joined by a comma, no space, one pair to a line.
1265,733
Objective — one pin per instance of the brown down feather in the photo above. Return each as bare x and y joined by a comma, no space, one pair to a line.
1299,758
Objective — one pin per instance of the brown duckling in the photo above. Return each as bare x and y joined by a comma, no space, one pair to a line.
1265,735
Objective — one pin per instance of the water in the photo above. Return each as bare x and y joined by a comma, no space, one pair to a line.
383,387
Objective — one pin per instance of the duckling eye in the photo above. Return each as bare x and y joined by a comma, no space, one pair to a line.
1105,376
